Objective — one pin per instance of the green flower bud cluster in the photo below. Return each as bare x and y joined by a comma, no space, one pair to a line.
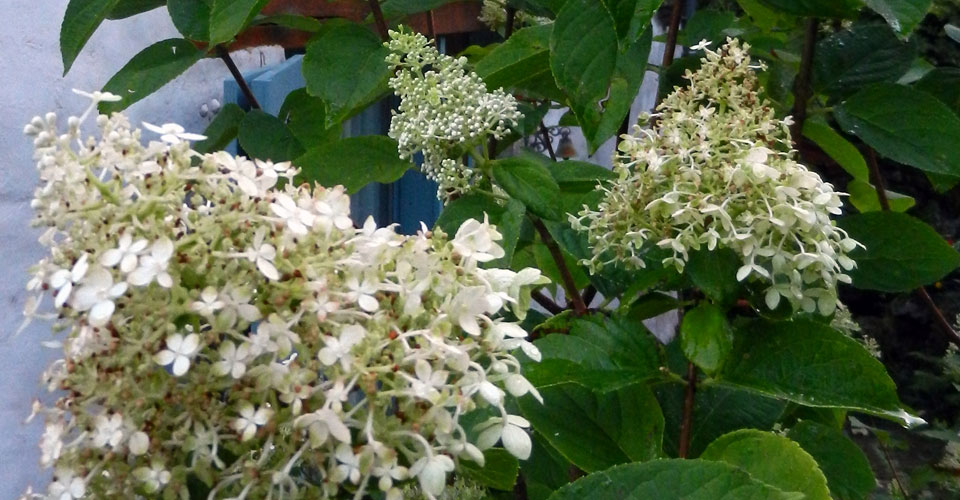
445,111
717,171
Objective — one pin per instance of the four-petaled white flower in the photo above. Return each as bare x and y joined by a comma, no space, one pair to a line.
153,266
66,485
427,381
64,280
108,431
233,360
296,218
209,302
250,419
171,133
432,472
338,348
51,444
125,254
153,478
510,431
263,254
322,424
179,352
362,292
96,294
477,241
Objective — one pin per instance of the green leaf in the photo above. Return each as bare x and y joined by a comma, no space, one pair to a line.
885,264
905,125
583,58
597,430
864,197
867,53
149,70
344,65
772,459
531,183
674,479
579,176
715,273
811,364
292,21
705,337
305,116
632,17
221,130
353,162
764,17
599,353
473,206
229,17
265,137
191,18
816,8
126,8
716,411
522,62
79,22
944,84
394,8
847,470
545,471
709,24
901,15
499,470
838,148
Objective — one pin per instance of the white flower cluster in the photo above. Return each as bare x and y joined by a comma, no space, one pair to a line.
717,172
445,111
222,330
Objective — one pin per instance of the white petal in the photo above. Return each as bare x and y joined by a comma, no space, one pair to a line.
190,344
743,272
516,441
368,303
101,312
111,257
139,443
772,298
164,357
181,365
433,478
491,393
268,269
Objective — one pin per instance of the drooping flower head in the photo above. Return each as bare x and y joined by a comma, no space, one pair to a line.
445,110
717,171
219,329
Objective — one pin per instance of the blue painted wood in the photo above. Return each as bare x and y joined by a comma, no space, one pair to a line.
407,202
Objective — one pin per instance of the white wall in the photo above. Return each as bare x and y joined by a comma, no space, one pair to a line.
31,84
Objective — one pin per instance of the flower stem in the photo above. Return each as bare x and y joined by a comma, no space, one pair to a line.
801,86
569,286
671,43
224,54
686,425
379,19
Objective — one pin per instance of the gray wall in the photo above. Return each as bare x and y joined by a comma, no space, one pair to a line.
31,84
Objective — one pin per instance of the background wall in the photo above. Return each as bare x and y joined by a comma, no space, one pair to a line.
31,84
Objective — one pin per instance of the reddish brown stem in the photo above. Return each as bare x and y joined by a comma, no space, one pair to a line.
547,142
511,19
379,19
569,286
686,424
546,302
673,28
224,54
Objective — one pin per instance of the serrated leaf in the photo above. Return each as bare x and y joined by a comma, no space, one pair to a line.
864,197
905,125
845,154
531,183
265,137
885,265
597,430
191,18
305,116
229,17
221,130
705,337
773,459
353,162
817,8
632,17
499,470
149,70
79,22
674,479
901,15
583,58
847,470
866,53
344,65
811,364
